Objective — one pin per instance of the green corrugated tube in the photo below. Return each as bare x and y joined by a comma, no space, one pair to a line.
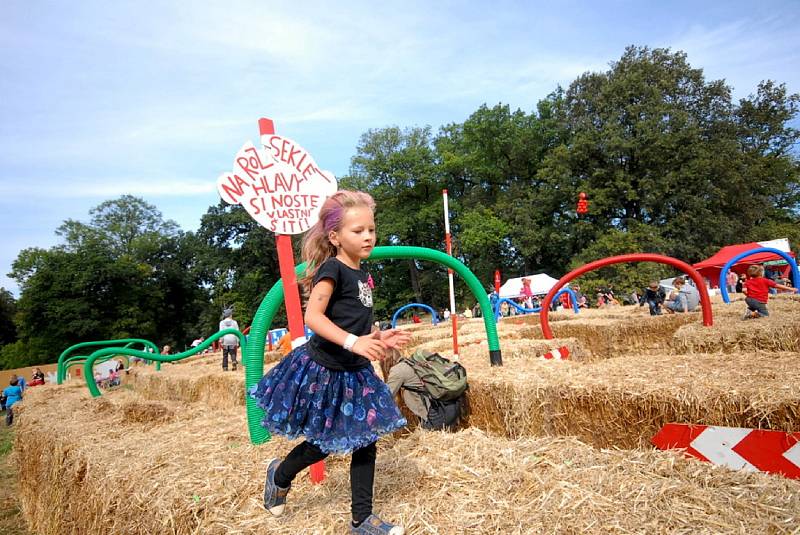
87,367
253,357
60,375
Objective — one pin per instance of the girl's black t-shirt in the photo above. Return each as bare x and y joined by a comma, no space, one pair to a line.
349,308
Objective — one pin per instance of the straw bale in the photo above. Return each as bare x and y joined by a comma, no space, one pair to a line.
633,333
191,383
618,402
778,332
623,402
199,474
146,412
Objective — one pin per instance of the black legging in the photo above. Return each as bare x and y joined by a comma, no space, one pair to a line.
362,474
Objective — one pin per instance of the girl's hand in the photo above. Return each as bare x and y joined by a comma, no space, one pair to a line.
370,346
395,338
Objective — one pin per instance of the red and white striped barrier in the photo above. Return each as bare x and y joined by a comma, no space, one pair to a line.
753,450
561,353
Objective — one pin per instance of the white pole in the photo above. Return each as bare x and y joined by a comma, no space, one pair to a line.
448,243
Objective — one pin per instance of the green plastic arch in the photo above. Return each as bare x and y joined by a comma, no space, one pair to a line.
100,353
253,356
61,370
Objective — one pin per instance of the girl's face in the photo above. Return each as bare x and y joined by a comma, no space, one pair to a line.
356,238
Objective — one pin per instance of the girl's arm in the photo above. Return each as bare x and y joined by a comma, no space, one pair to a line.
785,288
368,346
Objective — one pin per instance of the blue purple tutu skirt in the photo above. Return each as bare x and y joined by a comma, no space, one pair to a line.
337,411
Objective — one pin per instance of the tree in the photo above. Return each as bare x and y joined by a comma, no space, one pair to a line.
126,273
237,262
8,308
399,168
652,142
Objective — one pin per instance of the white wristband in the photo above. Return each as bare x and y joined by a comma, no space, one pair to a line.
350,341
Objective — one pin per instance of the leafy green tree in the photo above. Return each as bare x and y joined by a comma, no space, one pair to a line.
652,142
8,308
399,168
125,273
237,261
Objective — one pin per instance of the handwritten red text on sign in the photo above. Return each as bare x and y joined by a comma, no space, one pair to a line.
280,186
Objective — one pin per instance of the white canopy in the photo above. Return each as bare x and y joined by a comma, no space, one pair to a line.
540,285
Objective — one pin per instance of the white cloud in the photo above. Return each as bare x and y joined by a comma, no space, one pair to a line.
744,51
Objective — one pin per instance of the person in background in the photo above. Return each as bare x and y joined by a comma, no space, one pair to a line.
401,377
756,290
13,394
527,292
230,342
654,296
730,280
476,311
113,378
37,378
740,283
685,298
20,381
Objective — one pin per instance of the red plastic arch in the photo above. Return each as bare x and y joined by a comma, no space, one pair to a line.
708,318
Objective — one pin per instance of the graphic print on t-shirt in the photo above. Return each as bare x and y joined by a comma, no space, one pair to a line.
365,294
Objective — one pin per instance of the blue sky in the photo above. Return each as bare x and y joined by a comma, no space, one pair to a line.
100,99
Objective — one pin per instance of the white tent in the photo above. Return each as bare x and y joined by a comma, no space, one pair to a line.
540,285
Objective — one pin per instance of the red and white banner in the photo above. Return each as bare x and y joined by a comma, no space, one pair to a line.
561,353
753,450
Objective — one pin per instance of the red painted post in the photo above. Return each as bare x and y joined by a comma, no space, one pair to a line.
294,311
705,301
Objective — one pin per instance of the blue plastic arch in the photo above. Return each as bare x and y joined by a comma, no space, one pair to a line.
723,289
434,317
573,296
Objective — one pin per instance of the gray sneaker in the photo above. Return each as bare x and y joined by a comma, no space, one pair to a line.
274,496
375,526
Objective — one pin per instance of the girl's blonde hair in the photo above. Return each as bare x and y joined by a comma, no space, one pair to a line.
317,247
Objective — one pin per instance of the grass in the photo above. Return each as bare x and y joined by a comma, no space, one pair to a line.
11,522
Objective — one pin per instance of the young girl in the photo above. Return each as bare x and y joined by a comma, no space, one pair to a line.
326,389
756,288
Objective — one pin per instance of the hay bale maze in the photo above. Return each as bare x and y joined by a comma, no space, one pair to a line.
547,447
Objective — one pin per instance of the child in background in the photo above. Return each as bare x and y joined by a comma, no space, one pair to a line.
326,389
654,296
756,288
13,394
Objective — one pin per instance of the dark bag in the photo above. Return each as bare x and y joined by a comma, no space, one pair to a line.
444,415
444,385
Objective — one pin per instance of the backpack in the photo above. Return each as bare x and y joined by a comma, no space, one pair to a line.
443,380
444,385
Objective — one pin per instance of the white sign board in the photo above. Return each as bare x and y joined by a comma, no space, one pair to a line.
280,185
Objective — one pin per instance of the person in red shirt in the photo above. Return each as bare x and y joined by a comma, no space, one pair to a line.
756,288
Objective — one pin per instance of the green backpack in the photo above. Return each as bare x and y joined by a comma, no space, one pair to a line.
444,380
